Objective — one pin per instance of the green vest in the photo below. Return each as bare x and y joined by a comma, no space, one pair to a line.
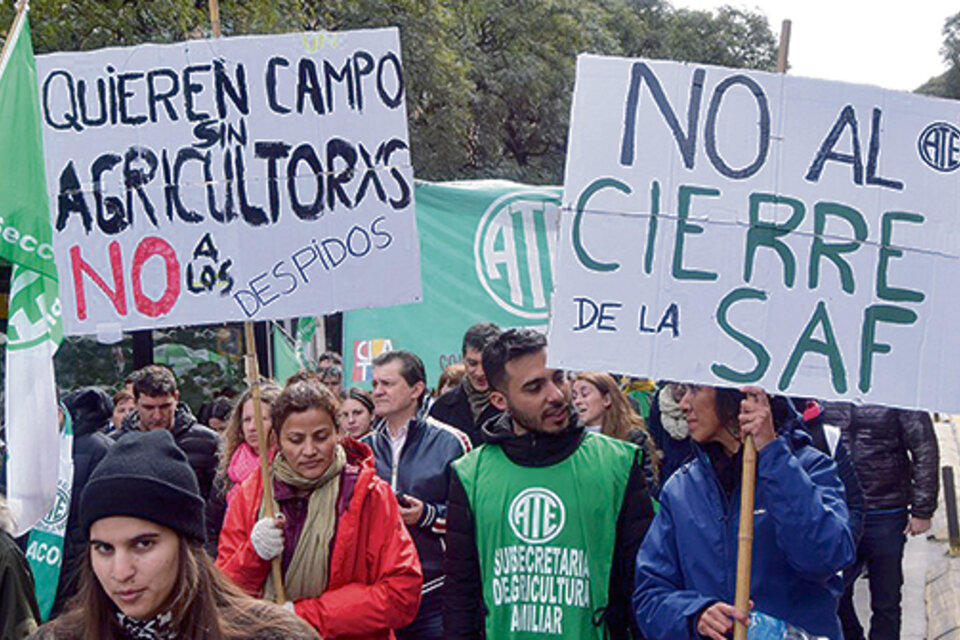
545,536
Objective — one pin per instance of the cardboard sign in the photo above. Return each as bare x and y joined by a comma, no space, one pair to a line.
237,179
730,227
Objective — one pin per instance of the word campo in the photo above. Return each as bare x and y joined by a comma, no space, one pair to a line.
301,178
196,92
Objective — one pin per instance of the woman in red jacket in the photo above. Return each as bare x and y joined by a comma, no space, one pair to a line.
350,568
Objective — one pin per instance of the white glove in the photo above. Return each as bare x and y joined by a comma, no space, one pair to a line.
267,538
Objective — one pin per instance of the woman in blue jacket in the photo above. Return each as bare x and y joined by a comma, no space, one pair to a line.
686,567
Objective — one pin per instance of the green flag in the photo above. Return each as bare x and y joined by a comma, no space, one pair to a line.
24,205
34,329
286,359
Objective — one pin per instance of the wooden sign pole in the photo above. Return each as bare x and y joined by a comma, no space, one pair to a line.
749,483
253,380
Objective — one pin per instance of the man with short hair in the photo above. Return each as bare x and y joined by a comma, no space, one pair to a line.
468,406
414,455
158,406
544,519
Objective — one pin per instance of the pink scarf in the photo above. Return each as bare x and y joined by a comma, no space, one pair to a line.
242,464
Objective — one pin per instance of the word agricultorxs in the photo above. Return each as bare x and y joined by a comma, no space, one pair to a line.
204,191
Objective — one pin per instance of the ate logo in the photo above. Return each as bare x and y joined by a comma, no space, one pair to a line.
537,515
939,146
206,272
514,250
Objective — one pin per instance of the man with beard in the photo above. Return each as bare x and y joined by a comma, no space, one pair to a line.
544,520
468,406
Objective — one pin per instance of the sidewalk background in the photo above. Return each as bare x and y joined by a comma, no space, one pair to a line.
931,578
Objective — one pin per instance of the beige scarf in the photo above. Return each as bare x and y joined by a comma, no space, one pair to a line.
307,574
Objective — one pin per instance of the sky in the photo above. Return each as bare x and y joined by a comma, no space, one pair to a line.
857,40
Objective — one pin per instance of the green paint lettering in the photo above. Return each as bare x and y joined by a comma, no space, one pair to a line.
652,226
832,250
885,291
684,196
759,352
827,347
766,234
585,259
868,344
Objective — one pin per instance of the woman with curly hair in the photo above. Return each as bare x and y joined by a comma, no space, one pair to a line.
349,567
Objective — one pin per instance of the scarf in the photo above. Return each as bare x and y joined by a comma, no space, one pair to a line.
156,628
309,568
671,415
479,400
243,462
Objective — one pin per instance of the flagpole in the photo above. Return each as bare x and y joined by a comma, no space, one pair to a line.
741,598
253,380
12,34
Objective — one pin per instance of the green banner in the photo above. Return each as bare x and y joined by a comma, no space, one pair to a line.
25,234
486,254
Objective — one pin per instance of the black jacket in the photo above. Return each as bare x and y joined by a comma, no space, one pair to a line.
463,610
198,443
895,454
423,472
453,408
90,409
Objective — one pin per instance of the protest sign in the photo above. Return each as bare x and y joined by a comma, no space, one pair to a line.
731,227
487,249
246,178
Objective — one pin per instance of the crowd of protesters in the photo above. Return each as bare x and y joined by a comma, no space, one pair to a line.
513,501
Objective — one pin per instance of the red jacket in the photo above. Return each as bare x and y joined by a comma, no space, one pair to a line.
375,574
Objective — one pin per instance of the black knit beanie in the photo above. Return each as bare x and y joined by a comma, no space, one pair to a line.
145,475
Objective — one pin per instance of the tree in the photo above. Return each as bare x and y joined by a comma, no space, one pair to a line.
947,85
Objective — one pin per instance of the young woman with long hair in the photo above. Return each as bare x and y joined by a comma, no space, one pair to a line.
603,407
349,566
146,575
239,455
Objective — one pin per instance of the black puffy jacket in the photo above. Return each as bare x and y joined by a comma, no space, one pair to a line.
198,443
895,455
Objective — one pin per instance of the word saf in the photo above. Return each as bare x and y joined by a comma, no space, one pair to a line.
731,228
232,179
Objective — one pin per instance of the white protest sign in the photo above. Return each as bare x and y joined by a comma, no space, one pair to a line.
730,227
235,179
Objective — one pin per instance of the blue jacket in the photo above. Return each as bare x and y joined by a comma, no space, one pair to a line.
423,472
802,540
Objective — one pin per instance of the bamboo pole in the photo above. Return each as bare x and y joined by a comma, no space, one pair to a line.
21,10
253,380
745,536
741,598
215,17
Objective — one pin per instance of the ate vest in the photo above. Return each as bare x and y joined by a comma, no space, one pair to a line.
545,537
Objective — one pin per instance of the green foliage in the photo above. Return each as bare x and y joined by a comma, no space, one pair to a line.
488,84
947,85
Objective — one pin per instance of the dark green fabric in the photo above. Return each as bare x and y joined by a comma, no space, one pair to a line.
18,605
